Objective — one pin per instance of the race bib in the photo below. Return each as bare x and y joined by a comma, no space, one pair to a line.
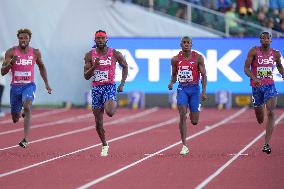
264,72
22,77
100,76
185,76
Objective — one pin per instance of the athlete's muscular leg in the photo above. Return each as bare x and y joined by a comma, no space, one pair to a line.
27,118
98,113
194,117
270,106
259,114
110,107
182,123
15,116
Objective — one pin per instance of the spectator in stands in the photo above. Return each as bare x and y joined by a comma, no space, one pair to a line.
161,5
235,28
258,4
276,6
261,15
210,4
280,27
270,24
244,7
223,5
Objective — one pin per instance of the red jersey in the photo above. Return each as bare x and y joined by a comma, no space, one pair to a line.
23,68
188,71
105,71
262,66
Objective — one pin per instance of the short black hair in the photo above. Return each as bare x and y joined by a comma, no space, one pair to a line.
265,33
24,30
186,37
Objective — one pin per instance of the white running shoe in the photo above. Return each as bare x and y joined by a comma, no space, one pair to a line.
184,150
104,151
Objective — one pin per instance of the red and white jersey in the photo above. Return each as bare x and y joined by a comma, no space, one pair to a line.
23,68
105,71
188,69
262,66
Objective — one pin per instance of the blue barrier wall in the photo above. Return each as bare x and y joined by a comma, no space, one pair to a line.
149,61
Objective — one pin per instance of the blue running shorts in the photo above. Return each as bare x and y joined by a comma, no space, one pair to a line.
19,93
260,95
189,95
102,93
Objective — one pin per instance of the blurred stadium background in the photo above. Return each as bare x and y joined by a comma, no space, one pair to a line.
148,33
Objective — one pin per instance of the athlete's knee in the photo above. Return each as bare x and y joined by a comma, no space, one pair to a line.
260,121
15,118
183,114
110,109
194,122
27,106
110,113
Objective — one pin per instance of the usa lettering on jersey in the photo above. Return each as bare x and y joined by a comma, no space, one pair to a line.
261,60
106,62
24,62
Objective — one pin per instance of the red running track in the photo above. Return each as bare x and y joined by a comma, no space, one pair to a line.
144,152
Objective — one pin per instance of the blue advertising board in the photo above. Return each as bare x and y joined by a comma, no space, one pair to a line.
150,68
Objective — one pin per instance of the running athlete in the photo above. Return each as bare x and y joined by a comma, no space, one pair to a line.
259,67
100,64
21,60
187,67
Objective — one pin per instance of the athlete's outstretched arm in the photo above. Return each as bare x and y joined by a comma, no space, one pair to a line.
42,70
174,72
122,62
278,63
10,59
202,70
247,69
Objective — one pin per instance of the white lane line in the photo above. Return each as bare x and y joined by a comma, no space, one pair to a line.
100,179
37,115
211,177
62,121
120,120
240,154
173,120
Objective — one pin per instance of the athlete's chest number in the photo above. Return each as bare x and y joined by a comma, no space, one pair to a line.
264,72
185,76
100,76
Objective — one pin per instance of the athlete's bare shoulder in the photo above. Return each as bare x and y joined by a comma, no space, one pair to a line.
88,57
116,53
175,58
252,52
36,52
88,54
199,58
10,51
